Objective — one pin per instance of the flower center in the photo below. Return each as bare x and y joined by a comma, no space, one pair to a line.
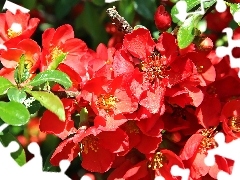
106,102
208,141
28,63
154,67
234,123
56,52
14,31
89,143
179,112
157,161
131,127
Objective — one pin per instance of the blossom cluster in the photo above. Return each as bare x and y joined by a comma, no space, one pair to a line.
142,104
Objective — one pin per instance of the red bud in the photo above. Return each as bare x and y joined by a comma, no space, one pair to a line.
162,19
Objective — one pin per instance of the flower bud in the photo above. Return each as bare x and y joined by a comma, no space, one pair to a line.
162,19
175,137
204,44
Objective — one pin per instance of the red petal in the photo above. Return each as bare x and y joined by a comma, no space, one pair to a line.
50,123
137,171
191,146
152,126
74,46
97,161
206,70
167,46
152,101
62,33
66,150
115,141
209,117
148,144
121,63
47,37
139,43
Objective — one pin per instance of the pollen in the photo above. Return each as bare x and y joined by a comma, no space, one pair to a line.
106,102
208,141
234,123
200,69
157,161
154,67
14,31
89,143
56,52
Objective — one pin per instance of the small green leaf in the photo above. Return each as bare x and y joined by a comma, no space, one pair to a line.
19,156
21,73
51,75
145,8
50,102
5,84
83,116
186,32
16,95
54,64
14,113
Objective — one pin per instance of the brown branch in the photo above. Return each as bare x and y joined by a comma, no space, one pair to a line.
119,21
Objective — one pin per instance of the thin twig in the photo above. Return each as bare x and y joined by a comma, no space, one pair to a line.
119,21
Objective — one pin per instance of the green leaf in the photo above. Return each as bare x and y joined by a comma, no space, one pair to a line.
21,73
34,107
14,113
54,64
50,102
186,32
145,8
5,84
190,5
63,7
19,156
16,95
234,7
51,75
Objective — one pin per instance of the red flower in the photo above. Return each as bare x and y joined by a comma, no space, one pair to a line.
96,147
153,165
195,151
160,67
144,138
109,99
101,62
231,117
11,57
61,42
16,27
